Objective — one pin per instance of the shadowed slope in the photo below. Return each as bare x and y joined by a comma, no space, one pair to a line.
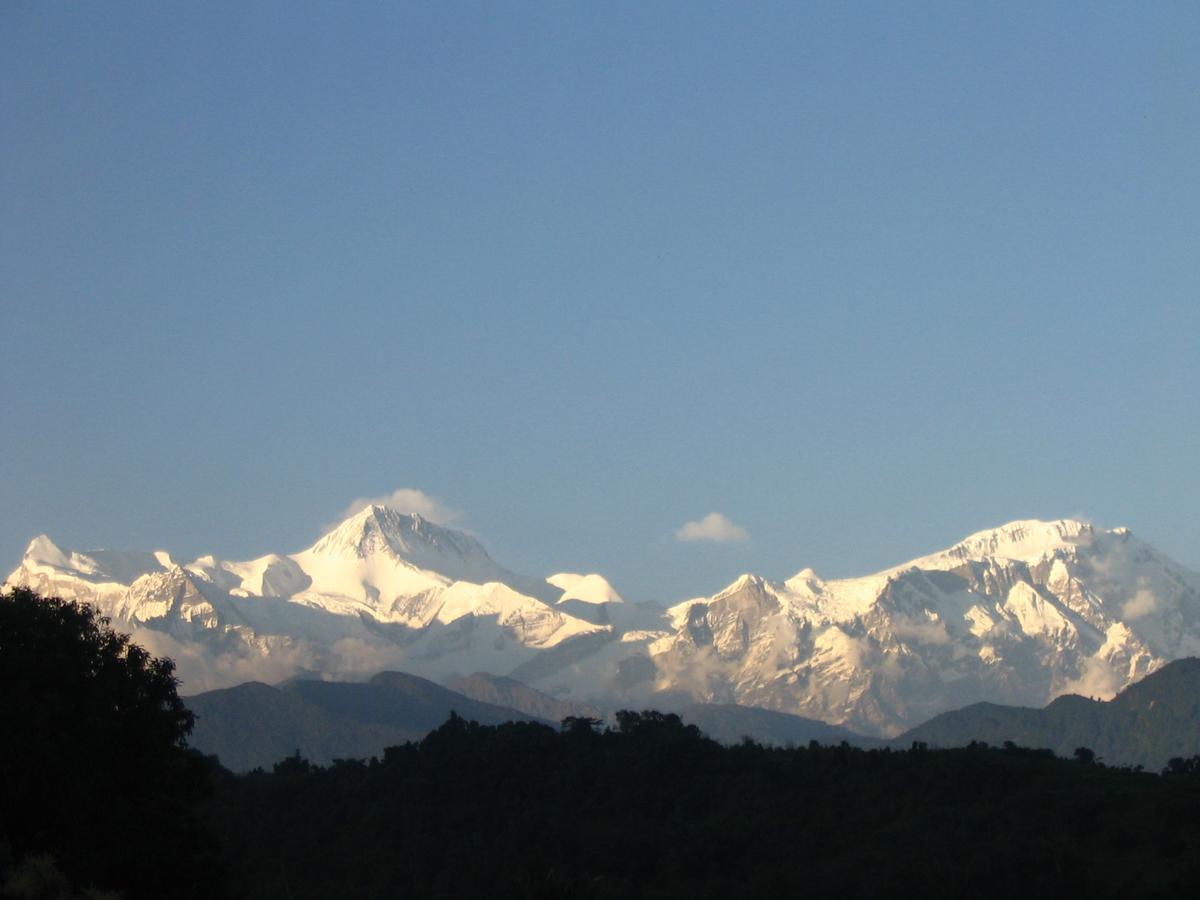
1147,724
255,725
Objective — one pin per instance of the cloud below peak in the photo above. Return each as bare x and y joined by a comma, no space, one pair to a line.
407,500
714,527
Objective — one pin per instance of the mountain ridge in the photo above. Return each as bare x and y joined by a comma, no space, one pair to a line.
1014,615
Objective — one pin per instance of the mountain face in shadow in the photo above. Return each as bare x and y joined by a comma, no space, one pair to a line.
1146,724
508,692
729,723
256,725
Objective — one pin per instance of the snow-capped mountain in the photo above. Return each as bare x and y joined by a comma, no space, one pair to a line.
381,588
1015,615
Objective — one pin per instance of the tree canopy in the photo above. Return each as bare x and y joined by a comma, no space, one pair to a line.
94,766
652,808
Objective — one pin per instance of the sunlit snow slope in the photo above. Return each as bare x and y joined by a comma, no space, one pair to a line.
381,588
1018,615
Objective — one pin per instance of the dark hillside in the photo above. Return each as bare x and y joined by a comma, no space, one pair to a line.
1147,724
730,723
502,691
255,725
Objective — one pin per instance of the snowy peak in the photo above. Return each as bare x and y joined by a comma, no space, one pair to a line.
379,537
1017,614
43,550
591,588
1028,540
95,566
377,529
382,586
1024,541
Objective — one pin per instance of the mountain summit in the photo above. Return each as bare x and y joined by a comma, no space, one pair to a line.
1028,540
1017,614
402,553
408,536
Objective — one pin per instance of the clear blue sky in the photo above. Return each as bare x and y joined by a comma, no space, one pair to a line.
861,278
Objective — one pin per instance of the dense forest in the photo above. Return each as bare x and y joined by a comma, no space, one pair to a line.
101,797
652,808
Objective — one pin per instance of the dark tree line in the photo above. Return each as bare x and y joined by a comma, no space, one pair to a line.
652,808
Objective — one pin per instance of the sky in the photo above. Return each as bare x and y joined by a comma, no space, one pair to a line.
668,291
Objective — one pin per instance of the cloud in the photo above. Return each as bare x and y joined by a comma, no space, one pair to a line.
927,632
407,500
355,659
200,668
713,527
1097,679
1143,603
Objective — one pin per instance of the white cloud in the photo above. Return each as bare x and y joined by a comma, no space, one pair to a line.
200,668
1143,603
355,659
407,500
1097,679
927,632
713,527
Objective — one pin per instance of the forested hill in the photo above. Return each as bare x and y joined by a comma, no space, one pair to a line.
257,725
652,808
1147,724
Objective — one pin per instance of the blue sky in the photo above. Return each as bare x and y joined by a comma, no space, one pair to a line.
860,278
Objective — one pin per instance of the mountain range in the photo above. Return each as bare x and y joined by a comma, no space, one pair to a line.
256,725
1017,615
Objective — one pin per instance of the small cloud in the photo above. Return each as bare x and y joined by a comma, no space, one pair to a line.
407,500
713,527
1144,603
922,632
1097,679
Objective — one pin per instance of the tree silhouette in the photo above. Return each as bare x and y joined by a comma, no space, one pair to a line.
1179,765
94,768
651,722
653,809
584,726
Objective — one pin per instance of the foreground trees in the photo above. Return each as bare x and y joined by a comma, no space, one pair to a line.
651,808
94,771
